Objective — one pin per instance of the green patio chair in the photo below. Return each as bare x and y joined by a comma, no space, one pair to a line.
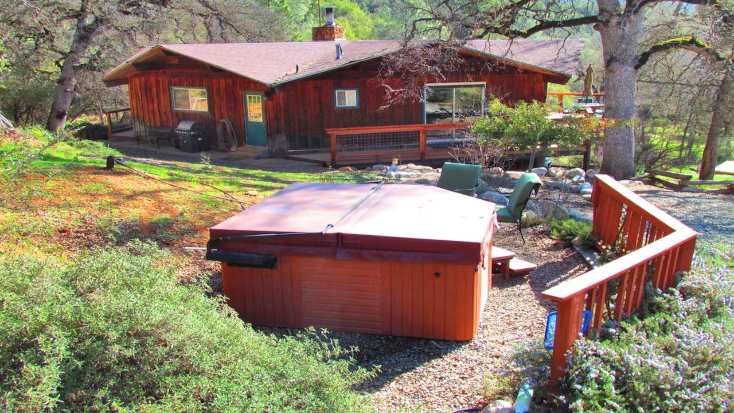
459,177
528,183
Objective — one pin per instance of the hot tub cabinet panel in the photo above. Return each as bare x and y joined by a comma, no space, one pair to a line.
402,260
438,301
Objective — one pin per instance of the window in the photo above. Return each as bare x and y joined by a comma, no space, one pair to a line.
346,98
453,102
189,99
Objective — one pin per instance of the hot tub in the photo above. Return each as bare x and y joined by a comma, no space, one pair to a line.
403,260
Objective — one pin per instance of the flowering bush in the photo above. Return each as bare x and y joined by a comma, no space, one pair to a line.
678,358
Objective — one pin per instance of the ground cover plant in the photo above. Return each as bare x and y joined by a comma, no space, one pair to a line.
675,358
115,330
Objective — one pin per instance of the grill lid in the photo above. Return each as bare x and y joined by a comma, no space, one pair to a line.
190,125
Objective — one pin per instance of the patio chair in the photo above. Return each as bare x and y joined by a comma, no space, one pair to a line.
528,183
459,177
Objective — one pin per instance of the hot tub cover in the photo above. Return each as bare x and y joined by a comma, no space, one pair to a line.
409,223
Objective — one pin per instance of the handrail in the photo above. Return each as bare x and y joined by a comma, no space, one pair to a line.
422,130
108,115
657,248
559,95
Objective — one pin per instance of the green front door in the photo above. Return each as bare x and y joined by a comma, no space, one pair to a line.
255,119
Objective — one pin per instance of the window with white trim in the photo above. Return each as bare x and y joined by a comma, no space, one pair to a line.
346,98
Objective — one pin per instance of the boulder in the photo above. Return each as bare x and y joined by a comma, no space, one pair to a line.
586,196
585,188
558,184
580,216
590,174
496,171
379,167
555,172
544,209
540,171
571,173
514,174
495,197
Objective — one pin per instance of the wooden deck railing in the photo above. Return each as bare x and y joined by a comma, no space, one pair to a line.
560,95
656,247
418,140
116,121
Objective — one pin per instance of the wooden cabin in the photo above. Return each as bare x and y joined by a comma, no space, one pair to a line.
286,95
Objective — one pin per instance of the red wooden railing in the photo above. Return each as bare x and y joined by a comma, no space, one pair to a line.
560,95
117,121
656,247
381,140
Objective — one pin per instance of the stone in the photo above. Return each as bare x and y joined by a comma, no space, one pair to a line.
578,178
498,406
580,216
692,189
495,197
540,171
496,171
347,169
590,174
585,187
555,172
586,196
379,167
571,173
253,193
544,209
514,174
586,191
558,184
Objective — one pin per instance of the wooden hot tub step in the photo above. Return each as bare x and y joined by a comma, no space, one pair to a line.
521,267
501,260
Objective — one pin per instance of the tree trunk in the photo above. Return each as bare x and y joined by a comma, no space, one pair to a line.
620,37
722,108
86,29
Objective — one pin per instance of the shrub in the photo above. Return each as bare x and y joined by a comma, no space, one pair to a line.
115,331
569,230
677,359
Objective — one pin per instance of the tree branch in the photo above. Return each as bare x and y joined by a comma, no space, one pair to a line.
543,25
685,43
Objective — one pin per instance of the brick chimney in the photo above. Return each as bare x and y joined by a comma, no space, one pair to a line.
330,31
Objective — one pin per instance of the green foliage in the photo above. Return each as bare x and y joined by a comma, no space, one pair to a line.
525,127
114,330
528,361
677,359
570,229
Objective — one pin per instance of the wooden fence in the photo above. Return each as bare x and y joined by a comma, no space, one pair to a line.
654,248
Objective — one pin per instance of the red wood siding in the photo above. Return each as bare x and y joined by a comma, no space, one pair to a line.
377,297
150,98
302,110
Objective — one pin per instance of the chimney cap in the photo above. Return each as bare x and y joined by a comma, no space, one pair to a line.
329,15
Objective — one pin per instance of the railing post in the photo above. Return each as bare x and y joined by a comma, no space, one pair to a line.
422,144
332,138
109,125
568,327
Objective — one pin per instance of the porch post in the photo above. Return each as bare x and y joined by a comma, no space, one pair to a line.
423,138
332,139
